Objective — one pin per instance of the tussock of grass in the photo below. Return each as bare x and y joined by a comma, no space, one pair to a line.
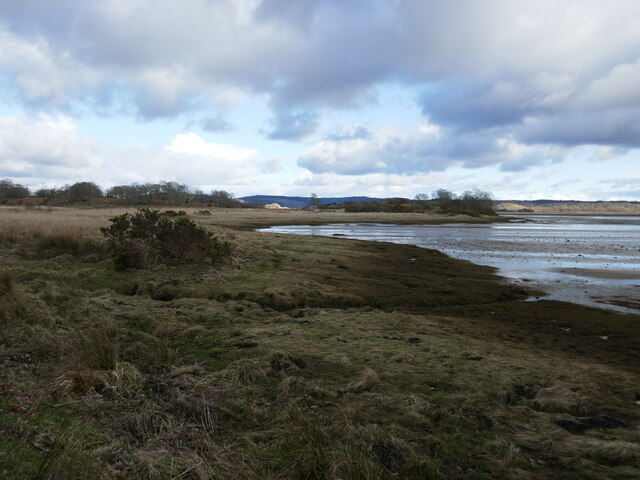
149,353
123,380
562,400
366,382
242,372
96,347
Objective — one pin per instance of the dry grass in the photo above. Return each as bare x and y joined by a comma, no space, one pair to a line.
23,222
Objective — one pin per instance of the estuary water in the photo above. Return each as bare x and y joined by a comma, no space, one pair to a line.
592,260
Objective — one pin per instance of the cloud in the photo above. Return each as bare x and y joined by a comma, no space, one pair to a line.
28,144
304,53
350,133
292,126
42,74
426,148
192,144
216,123
45,149
529,73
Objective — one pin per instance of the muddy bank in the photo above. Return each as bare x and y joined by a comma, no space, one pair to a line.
586,261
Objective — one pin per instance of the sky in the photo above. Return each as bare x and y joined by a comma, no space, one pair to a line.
527,99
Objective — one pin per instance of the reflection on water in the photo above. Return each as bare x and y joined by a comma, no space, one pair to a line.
575,258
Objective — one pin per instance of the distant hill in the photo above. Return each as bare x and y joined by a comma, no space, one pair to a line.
300,202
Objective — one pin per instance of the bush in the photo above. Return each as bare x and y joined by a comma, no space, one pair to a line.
147,237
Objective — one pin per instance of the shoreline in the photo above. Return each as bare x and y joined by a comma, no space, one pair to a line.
568,283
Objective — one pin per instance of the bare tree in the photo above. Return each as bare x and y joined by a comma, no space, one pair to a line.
315,200
422,200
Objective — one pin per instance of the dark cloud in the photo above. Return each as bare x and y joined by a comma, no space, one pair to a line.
216,123
292,126
477,106
538,72
618,127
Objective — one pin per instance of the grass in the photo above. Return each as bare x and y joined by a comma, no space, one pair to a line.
302,358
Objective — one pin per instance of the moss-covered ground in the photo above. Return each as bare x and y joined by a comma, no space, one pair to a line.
302,358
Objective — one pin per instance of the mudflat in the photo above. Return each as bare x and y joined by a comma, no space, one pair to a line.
586,260
604,274
300,357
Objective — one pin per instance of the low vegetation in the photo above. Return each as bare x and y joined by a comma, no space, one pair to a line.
298,358
148,237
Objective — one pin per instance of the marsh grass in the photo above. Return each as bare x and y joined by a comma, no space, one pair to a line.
260,369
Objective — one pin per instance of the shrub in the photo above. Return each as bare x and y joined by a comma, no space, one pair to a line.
147,237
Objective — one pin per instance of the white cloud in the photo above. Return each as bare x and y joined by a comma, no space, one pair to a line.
44,148
28,143
192,144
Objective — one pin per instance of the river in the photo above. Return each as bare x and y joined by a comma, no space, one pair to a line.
591,260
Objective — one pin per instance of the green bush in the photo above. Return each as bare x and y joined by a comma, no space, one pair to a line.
147,238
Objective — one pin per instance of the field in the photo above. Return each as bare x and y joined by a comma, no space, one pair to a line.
299,358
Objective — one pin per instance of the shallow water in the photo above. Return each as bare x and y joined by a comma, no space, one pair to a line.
582,259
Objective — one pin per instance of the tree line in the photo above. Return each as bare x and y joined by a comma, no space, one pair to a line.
472,202
163,193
